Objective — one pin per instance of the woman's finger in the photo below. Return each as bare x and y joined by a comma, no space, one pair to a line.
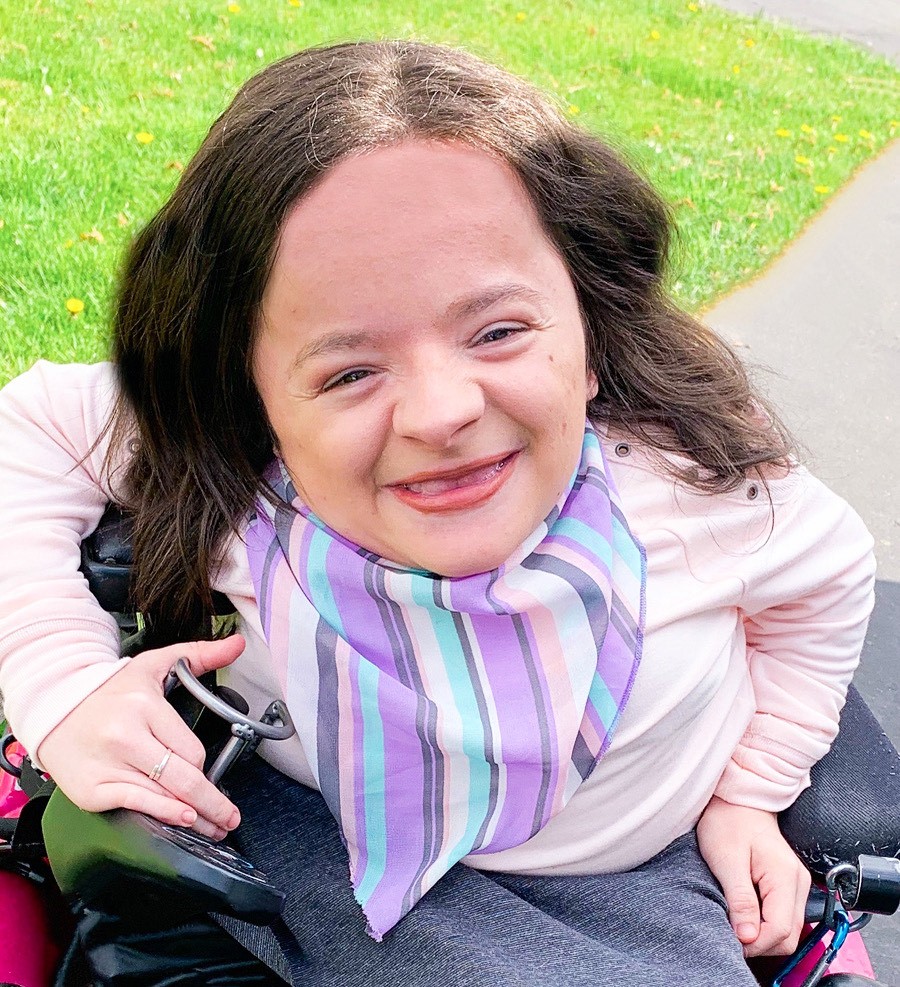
202,656
733,873
141,798
206,828
781,918
171,731
172,774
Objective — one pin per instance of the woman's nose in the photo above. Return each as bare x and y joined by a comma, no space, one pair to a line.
433,406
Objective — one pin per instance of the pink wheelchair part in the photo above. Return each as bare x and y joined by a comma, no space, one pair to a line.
852,958
29,953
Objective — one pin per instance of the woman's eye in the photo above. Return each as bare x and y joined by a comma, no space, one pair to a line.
497,333
348,377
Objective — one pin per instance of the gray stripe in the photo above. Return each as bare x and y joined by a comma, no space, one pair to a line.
271,561
622,620
284,519
543,716
582,758
488,747
592,477
327,718
495,604
595,603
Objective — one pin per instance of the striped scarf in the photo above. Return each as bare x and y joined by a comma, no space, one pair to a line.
444,717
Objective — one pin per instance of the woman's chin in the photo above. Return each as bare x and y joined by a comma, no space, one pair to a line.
452,562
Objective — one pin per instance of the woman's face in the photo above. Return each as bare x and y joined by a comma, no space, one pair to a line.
421,357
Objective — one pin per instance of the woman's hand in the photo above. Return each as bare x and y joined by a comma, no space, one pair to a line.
103,753
765,884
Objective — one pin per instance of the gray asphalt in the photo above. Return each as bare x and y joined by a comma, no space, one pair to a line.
821,328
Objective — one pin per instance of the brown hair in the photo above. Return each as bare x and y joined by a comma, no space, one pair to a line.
194,280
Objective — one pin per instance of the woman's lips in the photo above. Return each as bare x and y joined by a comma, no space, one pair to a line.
456,490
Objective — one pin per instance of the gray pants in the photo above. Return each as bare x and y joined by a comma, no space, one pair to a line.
661,924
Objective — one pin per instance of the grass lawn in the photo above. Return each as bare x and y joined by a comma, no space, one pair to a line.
746,128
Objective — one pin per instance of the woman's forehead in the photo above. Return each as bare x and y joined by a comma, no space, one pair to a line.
406,188
407,216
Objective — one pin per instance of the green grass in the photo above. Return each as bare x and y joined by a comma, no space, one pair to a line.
696,97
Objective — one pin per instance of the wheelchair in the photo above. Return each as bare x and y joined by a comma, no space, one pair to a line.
107,867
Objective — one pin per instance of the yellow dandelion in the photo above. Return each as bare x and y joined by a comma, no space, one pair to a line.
521,16
2,224
894,123
296,3
866,136
822,189
736,69
574,110
832,150
74,306
749,43
654,35
805,127
836,118
841,138
693,7
801,159
142,137
85,109
782,132
234,8
69,243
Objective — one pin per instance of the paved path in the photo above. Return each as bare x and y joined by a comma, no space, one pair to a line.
825,322
873,24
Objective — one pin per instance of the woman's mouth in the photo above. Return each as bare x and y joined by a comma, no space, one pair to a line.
457,489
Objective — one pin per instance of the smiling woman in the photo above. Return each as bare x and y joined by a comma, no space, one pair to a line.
436,411
395,371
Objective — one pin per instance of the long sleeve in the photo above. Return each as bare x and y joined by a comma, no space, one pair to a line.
56,643
808,594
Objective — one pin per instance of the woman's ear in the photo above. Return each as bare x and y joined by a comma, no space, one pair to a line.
592,385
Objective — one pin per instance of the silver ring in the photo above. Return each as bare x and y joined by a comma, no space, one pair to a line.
157,769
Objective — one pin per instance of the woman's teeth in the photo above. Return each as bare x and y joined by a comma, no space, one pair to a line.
442,485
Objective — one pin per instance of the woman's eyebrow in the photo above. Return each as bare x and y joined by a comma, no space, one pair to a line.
332,342
473,304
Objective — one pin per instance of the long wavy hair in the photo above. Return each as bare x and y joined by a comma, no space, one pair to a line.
192,286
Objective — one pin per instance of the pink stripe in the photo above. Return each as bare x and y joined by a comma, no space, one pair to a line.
346,739
282,586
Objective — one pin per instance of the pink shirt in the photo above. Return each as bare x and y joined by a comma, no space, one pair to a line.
756,611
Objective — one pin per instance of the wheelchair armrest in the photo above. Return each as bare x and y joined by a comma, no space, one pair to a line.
107,559
853,803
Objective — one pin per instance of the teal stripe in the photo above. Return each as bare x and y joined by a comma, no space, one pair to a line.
373,780
465,701
319,587
599,697
579,532
627,548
